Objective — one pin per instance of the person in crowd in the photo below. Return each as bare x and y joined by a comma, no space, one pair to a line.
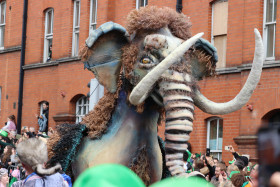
274,180
43,119
14,158
211,166
186,160
24,129
236,156
12,136
11,124
216,161
239,180
197,166
219,170
4,177
34,164
254,175
240,164
6,157
32,131
231,168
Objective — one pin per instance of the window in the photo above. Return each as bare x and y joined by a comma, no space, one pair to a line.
215,137
82,108
2,23
76,28
140,3
269,28
96,92
48,35
219,30
41,106
93,14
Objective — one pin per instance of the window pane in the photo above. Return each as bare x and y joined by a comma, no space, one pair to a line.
76,45
275,10
220,139
49,22
270,40
2,32
3,7
49,45
217,155
269,6
213,135
85,100
93,16
77,15
144,2
220,42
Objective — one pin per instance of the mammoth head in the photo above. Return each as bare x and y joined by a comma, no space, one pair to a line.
152,34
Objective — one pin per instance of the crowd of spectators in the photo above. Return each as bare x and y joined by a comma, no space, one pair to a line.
239,172
22,158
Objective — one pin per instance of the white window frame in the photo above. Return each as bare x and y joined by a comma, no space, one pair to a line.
265,30
48,36
2,25
96,93
212,19
93,23
80,107
76,29
208,134
145,2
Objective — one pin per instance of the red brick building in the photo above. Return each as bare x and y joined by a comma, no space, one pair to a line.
53,72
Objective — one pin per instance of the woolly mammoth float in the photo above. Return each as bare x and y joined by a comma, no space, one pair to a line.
150,71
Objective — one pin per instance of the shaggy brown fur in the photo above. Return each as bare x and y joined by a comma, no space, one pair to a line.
54,138
129,57
96,120
206,60
141,167
154,18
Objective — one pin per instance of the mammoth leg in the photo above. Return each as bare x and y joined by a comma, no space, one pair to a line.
179,110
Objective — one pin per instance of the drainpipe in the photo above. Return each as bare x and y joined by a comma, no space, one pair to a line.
22,62
179,6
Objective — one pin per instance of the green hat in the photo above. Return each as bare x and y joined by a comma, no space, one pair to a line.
230,162
183,182
232,173
3,133
108,175
189,155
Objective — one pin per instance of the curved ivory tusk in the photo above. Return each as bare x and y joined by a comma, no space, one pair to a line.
141,90
244,95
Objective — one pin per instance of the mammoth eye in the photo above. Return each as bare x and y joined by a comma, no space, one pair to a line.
146,60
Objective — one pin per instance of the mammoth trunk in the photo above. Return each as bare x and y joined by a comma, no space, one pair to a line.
175,89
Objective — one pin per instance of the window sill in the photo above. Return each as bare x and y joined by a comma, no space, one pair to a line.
10,49
244,67
51,63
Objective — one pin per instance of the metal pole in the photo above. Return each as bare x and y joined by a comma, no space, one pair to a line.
22,62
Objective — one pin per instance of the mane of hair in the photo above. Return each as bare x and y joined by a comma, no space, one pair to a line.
96,120
154,18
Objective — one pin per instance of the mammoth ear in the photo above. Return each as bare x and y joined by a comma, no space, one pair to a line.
203,59
103,56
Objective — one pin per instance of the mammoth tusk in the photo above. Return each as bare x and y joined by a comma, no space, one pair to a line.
141,90
244,95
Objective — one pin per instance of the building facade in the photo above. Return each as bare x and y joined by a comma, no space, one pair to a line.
53,72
